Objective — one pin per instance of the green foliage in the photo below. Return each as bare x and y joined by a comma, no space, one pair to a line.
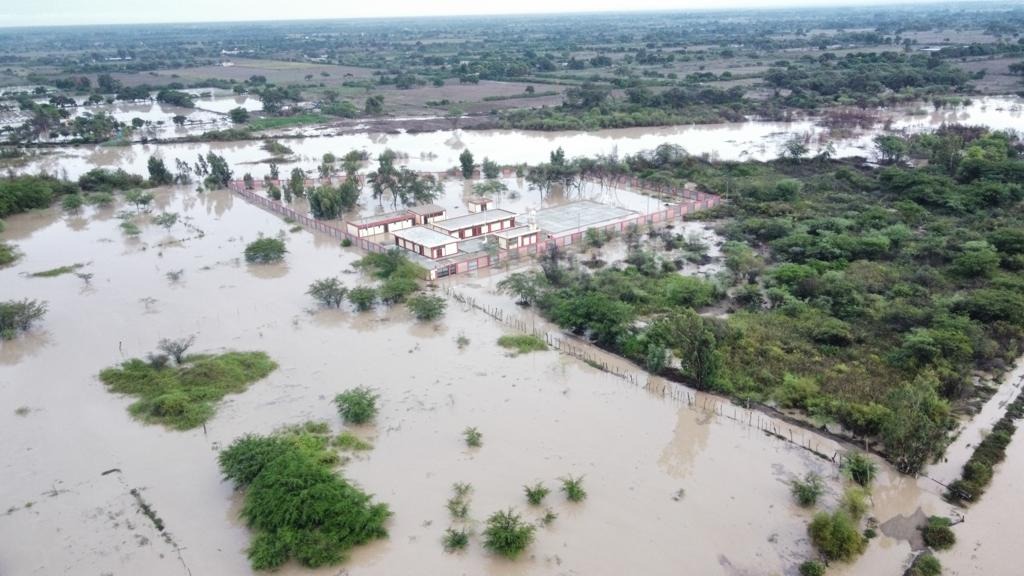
812,568
858,467
238,115
166,220
23,193
388,265
277,122
59,271
507,534
130,228
977,472
265,251
807,491
103,180
458,504
937,533
573,488
525,286
185,396
855,502
357,405
474,438
455,539
349,441
535,494
294,504
329,292
426,307
915,426
835,536
8,254
328,203
19,316
159,175
99,199
466,162
362,297
72,203
925,564
522,343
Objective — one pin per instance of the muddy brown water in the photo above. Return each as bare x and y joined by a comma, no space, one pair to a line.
543,416
670,485
439,150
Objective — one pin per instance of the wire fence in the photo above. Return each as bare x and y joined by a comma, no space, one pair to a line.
666,389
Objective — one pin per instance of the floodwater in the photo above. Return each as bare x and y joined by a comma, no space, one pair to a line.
518,197
439,150
669,484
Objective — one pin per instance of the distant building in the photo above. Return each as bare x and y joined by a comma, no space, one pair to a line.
512,238
381,223
476,224
427,213
426,242
479,204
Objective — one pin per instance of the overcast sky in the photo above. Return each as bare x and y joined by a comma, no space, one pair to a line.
63,12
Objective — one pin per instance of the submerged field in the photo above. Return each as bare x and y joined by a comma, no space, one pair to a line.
653,467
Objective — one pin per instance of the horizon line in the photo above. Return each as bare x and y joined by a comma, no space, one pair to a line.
776,5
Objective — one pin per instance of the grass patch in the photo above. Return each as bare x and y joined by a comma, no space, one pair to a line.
286,121
56,271
458,504
349,441
296,506
8,254
522,344
183,397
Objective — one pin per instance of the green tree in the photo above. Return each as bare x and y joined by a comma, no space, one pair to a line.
693,342
426,307
915,426
239,115
328,291
265,251
466,161
374,105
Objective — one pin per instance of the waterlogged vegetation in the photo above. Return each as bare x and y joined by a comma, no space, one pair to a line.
265,251
184,393
357,405
295,504
59,271
17,316
863,295
979,468
507,534
522,343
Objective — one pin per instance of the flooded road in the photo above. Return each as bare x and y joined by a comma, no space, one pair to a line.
439,150
654,468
